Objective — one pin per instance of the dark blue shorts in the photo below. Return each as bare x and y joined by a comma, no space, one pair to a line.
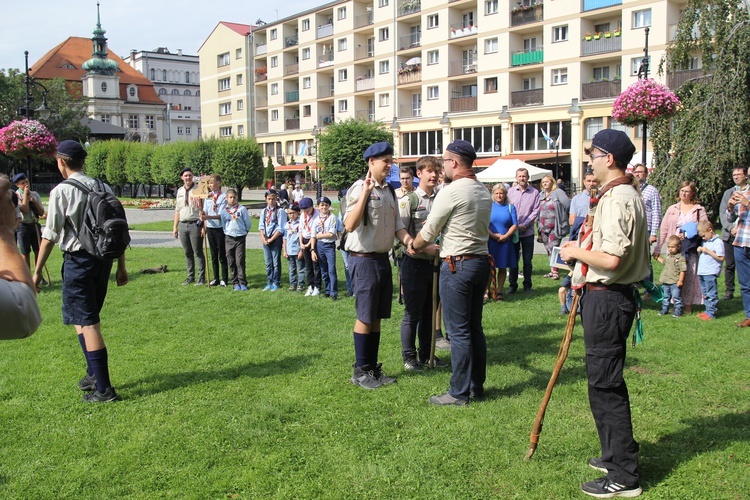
27,236
372,282
85,279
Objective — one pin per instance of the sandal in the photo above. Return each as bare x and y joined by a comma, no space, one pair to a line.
555,276
486,298
548,275
499,297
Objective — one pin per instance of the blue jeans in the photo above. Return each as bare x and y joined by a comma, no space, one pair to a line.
710,292
296,271
525,245
327,260
672,292
462,294
345,258
272,255
742,266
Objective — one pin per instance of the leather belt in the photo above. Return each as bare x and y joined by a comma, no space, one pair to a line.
452,259
598,287
188,221
370,255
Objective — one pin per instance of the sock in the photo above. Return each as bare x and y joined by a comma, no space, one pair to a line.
100,366
82,341
361,349
374,347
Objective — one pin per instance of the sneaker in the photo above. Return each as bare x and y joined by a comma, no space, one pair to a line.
412,365
476,394
447,400
334,298
243,288
292,289
200,283
87,383
214,283
676,315
274,288
309,291
727,296
437,361
101,397
222,283
513,289
236,288
381,377
564,311
604,488
267,288
301,288
315,292
443,344
364,378
597,464
44,283
188,281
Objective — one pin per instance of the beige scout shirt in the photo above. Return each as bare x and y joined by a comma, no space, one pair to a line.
420,214
29,217
461,214
186,205
382,219
66,201
620,230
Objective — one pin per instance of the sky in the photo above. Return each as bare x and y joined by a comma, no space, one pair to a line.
40,25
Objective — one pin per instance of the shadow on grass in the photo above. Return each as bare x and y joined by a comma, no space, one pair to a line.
168,381
702,434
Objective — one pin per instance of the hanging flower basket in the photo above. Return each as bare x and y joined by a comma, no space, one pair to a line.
27,138
644,101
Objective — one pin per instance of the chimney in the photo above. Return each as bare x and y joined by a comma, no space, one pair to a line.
179,52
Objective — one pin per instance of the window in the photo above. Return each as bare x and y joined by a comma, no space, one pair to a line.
433,56
150,122
341,13
343,106
164,72
601,73
529,83
225,84
383,3
305,25
187,77
225,108
274,115
240,104
560,33
274,34
240,130
490,85
131,91
528,136
433,93
601,28
180,130
490,46
416,104
560,76
187,92
384,34
132,121
529,44
104,87
384,100
223,60
306,110
615,125
105,118
239,79
225,131
153,74
342,44
275,61
238,53
642,18
467,19
422,143
174,92
484,139
162,91
343,75
385,67
635,64
306,53
306,82
593,125
274,88
490,7
188,130
433,21
187,108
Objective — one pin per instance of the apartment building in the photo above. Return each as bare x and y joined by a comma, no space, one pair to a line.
499,74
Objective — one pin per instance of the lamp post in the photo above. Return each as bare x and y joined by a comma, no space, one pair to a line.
318,186
26,111
643,75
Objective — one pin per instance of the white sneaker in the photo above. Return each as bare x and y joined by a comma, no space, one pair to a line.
309,291
222,283
315,292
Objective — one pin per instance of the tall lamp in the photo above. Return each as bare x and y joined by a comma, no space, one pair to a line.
26,111
643,75
318,185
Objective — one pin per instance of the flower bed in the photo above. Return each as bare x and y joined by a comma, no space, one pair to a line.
148,203
644,101
27,138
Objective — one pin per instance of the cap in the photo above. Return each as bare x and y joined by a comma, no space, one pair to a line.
293,207
324,199
18,177
462,148
305,203
271,192
378,149
614,142
72,149
186,169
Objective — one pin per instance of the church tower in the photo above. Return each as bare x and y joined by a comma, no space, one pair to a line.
101,80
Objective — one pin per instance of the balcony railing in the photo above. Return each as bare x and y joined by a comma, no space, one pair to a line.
261,128
363,52
410,41
463,104
261,101
459,30
291,41
526,15
261,77
325,30
291,69
410,77
292,96
676,79
365,114
672,30
325,91
326,120
365,84
526,97
535,56
598,4
325,60
363,20
602,45
409,111
462,67
261,49
601,90
291,124
406,7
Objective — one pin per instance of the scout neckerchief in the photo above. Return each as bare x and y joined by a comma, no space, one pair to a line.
323,221
215,197
233,211
307,222
271,217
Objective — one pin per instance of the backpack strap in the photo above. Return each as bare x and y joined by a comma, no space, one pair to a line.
85,190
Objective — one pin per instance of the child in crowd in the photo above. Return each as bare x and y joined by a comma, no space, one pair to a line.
292,250
214,204
325,246
709,266
672,276
271,227
237,224
565,294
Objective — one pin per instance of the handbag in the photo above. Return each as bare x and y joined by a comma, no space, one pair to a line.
514,238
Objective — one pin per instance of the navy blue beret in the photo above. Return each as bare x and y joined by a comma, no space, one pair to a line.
305,202
378,149
72,149
294,207
324,199
615,142
18,177
271,192
462,148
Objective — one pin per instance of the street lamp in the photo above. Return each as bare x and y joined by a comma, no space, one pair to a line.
643,75
28,112
318,186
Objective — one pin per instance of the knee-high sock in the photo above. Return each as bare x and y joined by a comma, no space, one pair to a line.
99,364
374,347
361,349
82,341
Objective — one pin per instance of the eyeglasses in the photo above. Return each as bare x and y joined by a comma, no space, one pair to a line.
447,159
594,157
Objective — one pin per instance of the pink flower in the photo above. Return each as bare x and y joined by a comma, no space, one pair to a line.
27,138
643,101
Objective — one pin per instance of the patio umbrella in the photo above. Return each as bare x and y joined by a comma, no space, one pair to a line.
414,60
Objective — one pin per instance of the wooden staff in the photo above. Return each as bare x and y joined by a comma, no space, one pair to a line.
39,247
562,353
206,255
435,268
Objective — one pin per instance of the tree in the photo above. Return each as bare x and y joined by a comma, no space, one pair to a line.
340,149
199,155
115,169
96,161
138,166
708,138
239,162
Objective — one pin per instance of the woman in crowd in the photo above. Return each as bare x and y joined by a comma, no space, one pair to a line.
503,224
686,210
554,207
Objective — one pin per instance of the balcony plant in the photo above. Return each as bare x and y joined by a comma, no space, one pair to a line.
597,35
408,6
645,101
607,34
588,37
618,32
26,138
261,71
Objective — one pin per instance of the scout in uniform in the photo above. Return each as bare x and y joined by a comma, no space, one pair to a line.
215,203
186,216
30,205
325,246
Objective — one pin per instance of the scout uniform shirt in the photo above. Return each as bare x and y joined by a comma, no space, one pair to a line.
415,223
326,224
236,221
380,221
186,205
307,224
29,217
215,203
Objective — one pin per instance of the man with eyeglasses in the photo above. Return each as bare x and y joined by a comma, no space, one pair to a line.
526,200
729,228
611,262
406,177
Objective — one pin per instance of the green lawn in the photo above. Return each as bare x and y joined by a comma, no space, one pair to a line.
245,395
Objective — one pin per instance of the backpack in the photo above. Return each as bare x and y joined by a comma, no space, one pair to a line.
103,232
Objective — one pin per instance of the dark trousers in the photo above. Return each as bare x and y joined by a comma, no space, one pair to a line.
525,245
607,317
416,281
192,244
327,262
218,249
729,265
236,259
312,268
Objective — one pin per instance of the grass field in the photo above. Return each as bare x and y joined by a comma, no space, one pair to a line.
245,395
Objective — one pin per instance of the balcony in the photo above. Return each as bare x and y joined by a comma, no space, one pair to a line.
324,30
598,4
363,52
363,20
459,30
292,96
291,41
676,79
261,101
406,7
413,76
365,84
526,97
462,67
291,124
463,104
291,69
367,115
261,128
261,75
326,120
261,49
601,45
526,15
524,57
601,90
410,111
410,41
325,91
325,60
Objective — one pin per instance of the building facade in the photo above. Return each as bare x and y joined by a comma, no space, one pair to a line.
176,79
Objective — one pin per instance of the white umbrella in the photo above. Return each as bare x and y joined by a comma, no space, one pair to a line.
414,60
505,171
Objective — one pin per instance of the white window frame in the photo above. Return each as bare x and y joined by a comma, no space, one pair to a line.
641,18
240,79
274,61
591,126
240,104
225,131
274,115
383,3
384,100
560,76
433,21
307,110
490,7
491,45
343,44
225,108
306,82
150,122
306,53
343,75
225,84
274,34
238,53
341,14
180,130
560,33
433,93
188,130
635,64
384,34
343,106
221,60
240,130
385,67
274,89
306,24
433,57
